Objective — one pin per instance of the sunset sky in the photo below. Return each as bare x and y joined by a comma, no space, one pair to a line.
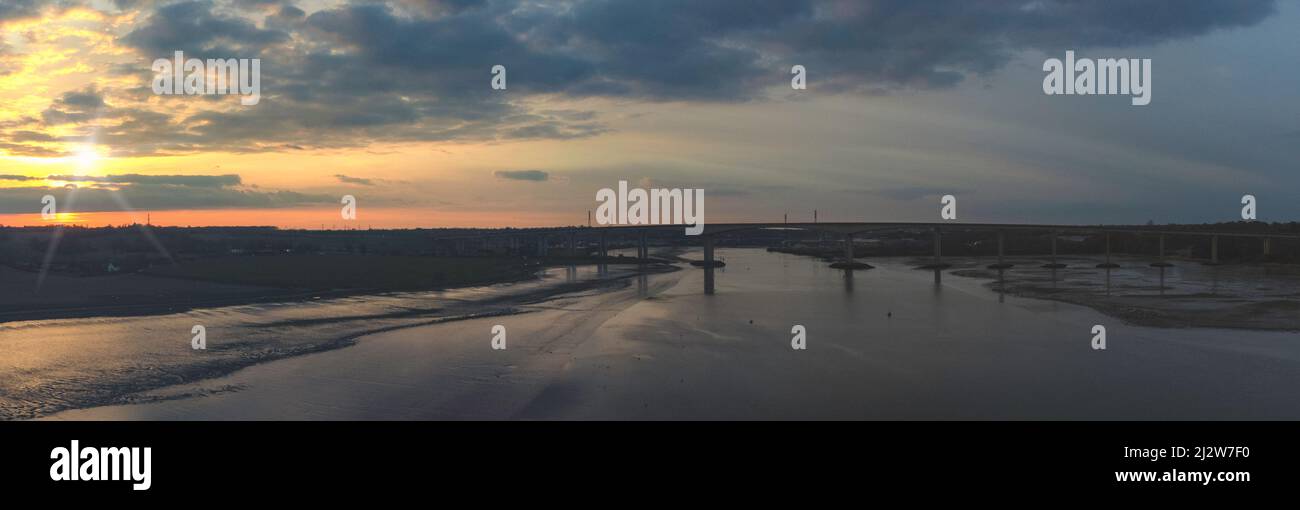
391,102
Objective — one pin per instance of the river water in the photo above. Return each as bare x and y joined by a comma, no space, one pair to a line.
886,343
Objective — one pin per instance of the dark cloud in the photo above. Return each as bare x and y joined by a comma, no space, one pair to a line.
354,180
155,197
74,107
15,9
198,30
150,192
522,175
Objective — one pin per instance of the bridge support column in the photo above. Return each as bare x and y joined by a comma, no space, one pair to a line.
1107,264
937,264
573,247
1054,264
643,249
1161,255
1001,245
604,247
708,265
938,248
847,261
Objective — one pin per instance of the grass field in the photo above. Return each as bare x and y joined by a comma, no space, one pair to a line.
379,272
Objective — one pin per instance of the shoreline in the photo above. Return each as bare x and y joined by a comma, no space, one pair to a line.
207,293
1169,307
1132,302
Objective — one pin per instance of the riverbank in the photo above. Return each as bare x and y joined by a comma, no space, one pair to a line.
245,280
1187,294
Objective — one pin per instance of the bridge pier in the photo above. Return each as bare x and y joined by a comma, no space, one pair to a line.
573,247
604,247
1107,264
1054,264
938,248
1001,244
937,264
708,265
1161,262
643,248
847,261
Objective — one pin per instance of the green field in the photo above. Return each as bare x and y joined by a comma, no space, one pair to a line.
370,272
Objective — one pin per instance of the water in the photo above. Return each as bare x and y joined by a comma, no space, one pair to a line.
50,365
886,343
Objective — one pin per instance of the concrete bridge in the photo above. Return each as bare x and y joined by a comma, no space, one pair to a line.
846,232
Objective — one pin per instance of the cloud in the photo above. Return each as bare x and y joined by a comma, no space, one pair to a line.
154,197
354,180
357,73
15,9
200,181
906,193
150,192
73,107
522,175
197,29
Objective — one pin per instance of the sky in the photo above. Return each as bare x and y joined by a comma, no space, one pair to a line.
392,102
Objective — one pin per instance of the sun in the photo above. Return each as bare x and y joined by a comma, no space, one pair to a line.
87,160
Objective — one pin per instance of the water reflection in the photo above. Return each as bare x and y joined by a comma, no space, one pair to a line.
708,279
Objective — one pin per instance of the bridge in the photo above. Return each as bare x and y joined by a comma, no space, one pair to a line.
847,231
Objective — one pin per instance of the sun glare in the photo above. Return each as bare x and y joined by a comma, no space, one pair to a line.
87,160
